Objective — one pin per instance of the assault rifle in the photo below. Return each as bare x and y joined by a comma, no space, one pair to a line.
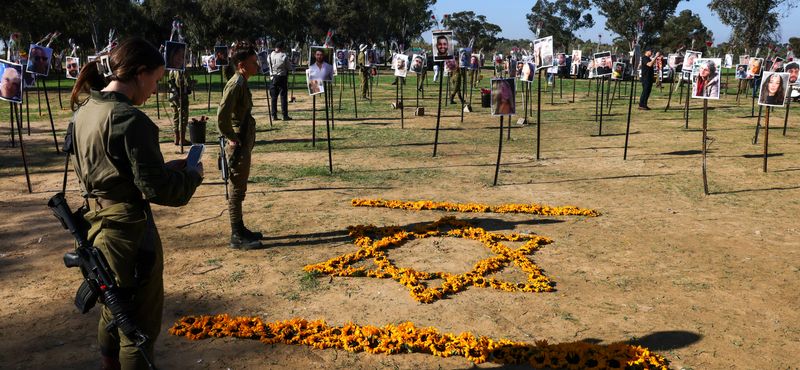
222,163
99,278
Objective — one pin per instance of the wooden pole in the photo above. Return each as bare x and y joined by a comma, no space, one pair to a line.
669,99
22,144
630,106
355,99
13,122
313,121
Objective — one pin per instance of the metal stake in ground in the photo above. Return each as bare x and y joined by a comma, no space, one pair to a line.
786,117
314,121
355,100
18,111
27,110
330,98
11,117
58,78
49,113
669,99
596,100
181,118
574,82
439,112
268,93
538,118
208,90
327,125
686,109
602,95
402,117
758,124
705,121
766,138
499,150
630,105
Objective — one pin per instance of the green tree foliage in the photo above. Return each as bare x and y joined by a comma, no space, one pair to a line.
623,16
794,42
755,23
205,21
679,30
466,25
560,19
505,45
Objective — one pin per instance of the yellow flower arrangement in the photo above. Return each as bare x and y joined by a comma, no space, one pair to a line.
475,207
415,280
406,338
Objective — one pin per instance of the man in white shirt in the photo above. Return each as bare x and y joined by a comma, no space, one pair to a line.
320,71
279,65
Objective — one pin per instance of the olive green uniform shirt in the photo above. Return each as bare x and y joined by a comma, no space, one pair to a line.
235,107
117,155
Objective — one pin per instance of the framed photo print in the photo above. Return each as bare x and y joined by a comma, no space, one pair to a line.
341,58
706,73
39,60
543,52
754,67
320,63
602,64
73,68
10,81
417,63
175,56
221,56
442,42
503,102
792,69
262,61
314,86
401,65
774,89
741,72
351,60
689,58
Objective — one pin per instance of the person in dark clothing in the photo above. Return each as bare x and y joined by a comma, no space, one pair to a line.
647,76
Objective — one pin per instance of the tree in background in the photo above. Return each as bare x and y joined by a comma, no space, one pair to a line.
679,30
465,25
560,19
505,45
755,23
624,15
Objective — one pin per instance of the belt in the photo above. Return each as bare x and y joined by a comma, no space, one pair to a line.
96,204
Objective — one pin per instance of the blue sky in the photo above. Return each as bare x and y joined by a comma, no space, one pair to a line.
510,16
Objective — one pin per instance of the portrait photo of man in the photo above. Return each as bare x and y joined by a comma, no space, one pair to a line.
450,66
741,71
562,60
39,60
417,63
401,65
10,82
341,58
602,63
295,57
73,67
443,42
464,55
221,55
792,69
776,65
320,67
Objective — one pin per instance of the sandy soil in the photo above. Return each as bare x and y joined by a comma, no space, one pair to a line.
709,282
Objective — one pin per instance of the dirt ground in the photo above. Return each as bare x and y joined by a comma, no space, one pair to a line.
709,282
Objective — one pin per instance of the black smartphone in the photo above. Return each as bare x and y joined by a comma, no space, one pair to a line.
195,155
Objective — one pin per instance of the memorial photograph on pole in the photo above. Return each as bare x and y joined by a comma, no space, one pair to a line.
706,74
443,45
543,52
39,60
175,56
221,56
10,81
320,63
503,102
73,67
774,89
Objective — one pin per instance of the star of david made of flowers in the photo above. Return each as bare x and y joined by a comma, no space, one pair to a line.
394,236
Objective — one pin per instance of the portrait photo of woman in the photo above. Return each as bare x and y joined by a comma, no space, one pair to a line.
503,97
773,89
754,68
175,56
707,85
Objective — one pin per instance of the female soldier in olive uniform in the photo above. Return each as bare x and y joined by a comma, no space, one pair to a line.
119,165
239,127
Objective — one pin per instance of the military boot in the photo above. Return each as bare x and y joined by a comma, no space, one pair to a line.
240,239
254,235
